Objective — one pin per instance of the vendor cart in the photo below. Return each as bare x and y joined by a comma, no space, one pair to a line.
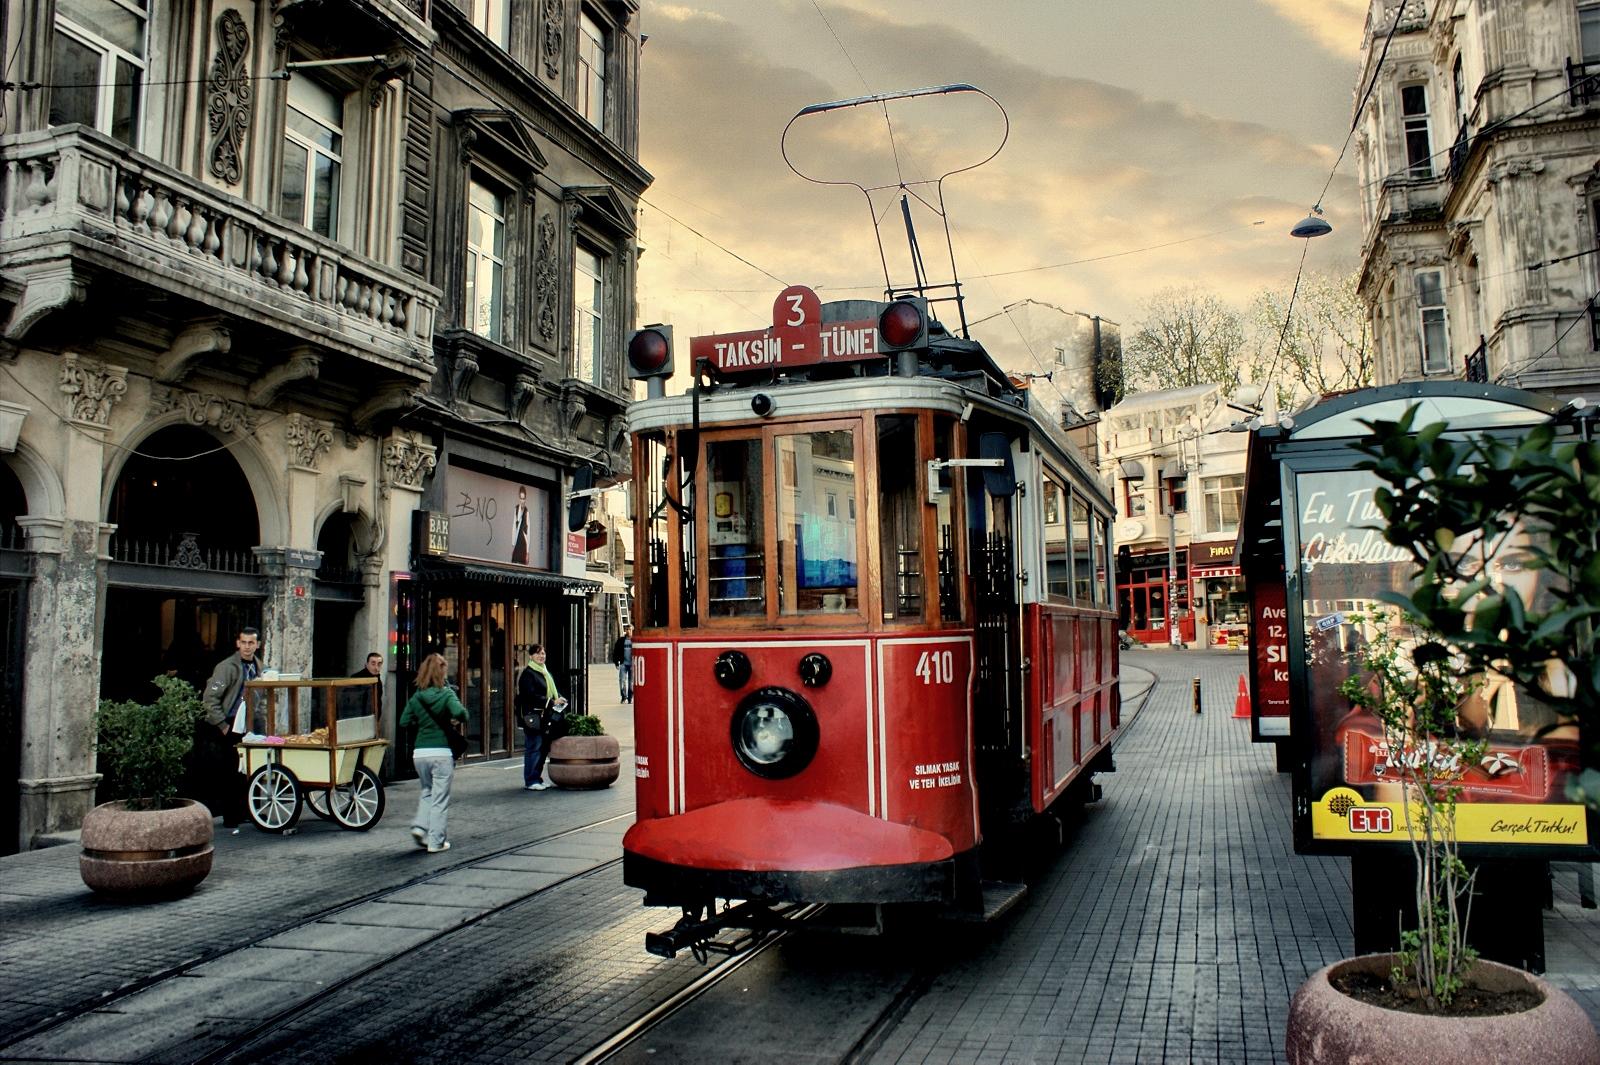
333,768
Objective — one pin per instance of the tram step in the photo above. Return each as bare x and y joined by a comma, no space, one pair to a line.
998,897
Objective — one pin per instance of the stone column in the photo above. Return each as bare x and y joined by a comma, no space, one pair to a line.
61,675
286,576
406,459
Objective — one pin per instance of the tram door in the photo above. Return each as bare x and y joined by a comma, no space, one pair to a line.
998,683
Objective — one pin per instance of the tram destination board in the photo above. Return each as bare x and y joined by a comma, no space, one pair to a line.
797,337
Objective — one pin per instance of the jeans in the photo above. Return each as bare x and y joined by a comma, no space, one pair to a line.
535,747
625,681
433,806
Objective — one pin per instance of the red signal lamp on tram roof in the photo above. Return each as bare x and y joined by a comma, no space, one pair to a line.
650,352
903,324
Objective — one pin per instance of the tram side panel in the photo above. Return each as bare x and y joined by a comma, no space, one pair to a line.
924,709
654,710
1072,711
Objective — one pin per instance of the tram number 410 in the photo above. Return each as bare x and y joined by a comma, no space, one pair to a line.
937,667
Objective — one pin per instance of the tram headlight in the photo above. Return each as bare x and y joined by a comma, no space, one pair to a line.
732,670
774,733
815,669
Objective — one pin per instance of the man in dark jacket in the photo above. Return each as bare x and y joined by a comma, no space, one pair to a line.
357,702
622,658
225,720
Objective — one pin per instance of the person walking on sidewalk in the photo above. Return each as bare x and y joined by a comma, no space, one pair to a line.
225,721
622,658
430,711
539,707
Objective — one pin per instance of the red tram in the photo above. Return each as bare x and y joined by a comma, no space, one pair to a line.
875,636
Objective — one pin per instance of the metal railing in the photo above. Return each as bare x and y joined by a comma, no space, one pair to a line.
1583,83
186,552
1477,363
1458,154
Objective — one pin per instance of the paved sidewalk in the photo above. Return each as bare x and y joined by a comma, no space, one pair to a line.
62,947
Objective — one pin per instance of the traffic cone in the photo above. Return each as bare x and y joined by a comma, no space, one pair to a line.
1241,702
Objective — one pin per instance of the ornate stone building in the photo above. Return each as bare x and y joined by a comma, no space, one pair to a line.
1478,151
311,313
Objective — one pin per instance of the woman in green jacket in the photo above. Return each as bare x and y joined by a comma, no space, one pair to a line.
433,709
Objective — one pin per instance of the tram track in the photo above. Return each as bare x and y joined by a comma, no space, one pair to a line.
109,999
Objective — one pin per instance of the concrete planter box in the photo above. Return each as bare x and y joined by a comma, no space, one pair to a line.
584,762
1326,1025
146,852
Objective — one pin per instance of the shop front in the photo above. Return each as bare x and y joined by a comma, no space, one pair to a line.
1223,614
1144,588
485,588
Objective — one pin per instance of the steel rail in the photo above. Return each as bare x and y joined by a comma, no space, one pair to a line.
101,1001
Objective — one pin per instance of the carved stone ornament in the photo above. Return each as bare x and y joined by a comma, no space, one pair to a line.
91,388
228,97
307,439
555,16
545,278
204,408
523,389
406,461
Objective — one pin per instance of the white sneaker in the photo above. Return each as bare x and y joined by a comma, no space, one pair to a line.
420,836
530,787
541,786
441,847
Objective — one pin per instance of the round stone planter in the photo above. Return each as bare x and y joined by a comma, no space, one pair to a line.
584,762
146,852
1326,1025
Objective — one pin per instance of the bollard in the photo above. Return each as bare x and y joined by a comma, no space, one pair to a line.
1197,695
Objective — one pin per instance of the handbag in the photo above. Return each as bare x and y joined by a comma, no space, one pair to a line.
452,735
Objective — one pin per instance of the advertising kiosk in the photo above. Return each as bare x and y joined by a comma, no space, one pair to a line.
1317,564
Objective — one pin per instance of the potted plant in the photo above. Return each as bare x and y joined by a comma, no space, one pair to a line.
1457,504
149,842
584,756
1433,1000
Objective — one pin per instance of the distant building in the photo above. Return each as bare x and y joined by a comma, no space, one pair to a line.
1081,353
310,313
1177,476
1476,149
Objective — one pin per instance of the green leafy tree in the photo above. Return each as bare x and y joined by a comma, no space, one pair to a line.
142,746
1325,346
1187,337
1465,507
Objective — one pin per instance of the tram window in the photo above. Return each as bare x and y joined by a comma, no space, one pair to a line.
900,534
655,470
735,566
1082,554
1057,540
944,523
816,550
1102,584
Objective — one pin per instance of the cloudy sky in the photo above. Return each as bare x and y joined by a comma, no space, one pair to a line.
1132,124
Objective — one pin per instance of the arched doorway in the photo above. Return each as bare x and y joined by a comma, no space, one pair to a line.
340,595
183,576
14,574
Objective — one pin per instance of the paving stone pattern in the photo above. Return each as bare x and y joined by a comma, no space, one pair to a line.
1179,921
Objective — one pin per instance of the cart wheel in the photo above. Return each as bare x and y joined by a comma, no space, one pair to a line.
273,798
317,801
358,804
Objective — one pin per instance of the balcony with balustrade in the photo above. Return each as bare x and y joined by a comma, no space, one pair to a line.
78,204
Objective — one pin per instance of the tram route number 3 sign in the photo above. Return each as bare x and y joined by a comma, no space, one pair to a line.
797,337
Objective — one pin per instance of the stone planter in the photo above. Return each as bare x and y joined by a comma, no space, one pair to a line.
146,852
1326,1025
584,762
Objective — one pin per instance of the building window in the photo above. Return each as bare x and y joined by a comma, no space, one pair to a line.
591,71
493,17
97,64
1135,498
1419,141
486,251
588,317
1589,32
1435,330
1177,494
1224,496
313,147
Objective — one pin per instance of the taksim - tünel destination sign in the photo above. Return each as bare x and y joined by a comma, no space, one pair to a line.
797,337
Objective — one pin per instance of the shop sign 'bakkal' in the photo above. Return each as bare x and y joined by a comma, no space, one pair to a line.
431,533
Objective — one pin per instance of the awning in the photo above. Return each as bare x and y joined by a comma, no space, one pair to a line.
611,585
1205,572
429,570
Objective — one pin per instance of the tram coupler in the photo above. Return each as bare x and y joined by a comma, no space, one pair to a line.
697,933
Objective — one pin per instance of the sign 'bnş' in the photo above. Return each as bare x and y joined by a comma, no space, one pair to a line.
797,337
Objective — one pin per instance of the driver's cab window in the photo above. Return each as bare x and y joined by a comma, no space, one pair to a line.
818,520
735,530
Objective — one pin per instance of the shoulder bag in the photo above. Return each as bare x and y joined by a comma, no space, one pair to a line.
452,735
